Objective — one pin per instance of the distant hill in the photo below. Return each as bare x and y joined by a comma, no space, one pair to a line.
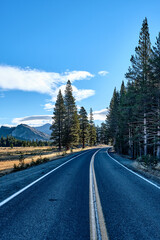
24,132
45,128
6,131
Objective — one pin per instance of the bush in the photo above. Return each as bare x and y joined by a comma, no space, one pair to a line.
22,165
148,161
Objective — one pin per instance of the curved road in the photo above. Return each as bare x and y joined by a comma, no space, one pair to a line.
89,197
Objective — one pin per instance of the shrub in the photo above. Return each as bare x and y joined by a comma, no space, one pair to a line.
148,161
22,165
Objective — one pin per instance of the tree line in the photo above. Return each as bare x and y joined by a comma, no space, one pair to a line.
71,128
133,119
10,141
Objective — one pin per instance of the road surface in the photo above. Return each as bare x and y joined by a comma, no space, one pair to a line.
89,197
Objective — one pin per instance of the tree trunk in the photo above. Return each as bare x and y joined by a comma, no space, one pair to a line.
145,134
130,151
158,132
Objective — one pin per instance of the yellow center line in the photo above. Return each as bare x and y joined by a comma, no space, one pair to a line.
98,229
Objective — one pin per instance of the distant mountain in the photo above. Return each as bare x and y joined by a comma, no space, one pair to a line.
45,128
24,132
6,131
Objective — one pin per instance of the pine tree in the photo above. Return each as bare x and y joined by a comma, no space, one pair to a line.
58,122
84,124
155,67
113,119
71,118
139,73
92,130
98,134
75,130
103,139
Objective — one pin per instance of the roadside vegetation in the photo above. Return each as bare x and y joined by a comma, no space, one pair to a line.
133,119
15,159
10,141
70,128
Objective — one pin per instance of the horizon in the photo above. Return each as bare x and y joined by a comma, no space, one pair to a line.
88,43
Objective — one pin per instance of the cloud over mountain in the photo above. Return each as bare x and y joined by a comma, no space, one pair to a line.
33,121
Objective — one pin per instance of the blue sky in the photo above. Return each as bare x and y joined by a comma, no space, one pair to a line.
43,43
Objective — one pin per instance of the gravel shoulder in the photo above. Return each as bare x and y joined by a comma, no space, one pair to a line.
151,174
13,182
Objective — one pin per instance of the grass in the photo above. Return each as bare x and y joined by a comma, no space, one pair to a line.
7,150
8,165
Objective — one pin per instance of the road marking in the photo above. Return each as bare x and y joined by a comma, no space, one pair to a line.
138,175
31,184
97,223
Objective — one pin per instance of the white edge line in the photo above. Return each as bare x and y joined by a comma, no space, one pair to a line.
145,179
31,184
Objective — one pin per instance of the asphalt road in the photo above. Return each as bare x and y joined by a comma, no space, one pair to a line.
59,206
131,206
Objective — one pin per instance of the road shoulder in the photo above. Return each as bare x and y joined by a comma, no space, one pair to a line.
133,165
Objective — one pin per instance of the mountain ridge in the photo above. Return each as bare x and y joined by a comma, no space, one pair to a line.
24,132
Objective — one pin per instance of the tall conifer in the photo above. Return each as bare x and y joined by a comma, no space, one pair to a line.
71,119
92,129
83,118
57,127
139,73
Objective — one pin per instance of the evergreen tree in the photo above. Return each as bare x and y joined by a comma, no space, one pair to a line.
92,130
98,134
113,119
103,139
58,122
83,119
75,130
123,120
71,118
155,67
133,119
139,73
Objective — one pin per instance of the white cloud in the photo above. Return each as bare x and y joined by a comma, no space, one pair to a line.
33,121
15,78
7,125
100,115
49,106
103,73
39,120
79,94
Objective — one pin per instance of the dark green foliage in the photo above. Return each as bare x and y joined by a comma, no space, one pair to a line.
92,130
133,120
98,134
57,127
70,129
22,165
13,142
112,121
71,122
84,125
75,130
103,139
148,161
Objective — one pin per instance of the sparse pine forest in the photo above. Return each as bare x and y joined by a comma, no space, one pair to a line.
71,128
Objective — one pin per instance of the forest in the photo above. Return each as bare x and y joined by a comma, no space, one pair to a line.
133,119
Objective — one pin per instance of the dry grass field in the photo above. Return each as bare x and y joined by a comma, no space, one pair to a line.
11,156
